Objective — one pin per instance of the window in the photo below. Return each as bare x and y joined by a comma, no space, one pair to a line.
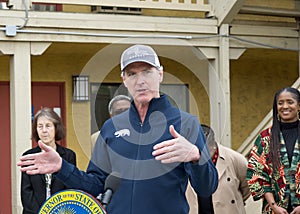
46,7
102,93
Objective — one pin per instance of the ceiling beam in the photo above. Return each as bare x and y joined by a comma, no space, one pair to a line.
265,11
225,10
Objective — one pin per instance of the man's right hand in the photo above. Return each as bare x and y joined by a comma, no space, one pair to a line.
45,162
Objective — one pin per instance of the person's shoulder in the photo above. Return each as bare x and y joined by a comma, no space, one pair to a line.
69,150
233,158
232,153
227,148
187,115
189,121
109,123
266,132
95,135
122,118
63,149
32,150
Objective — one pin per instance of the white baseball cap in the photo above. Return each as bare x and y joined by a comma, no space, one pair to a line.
139,53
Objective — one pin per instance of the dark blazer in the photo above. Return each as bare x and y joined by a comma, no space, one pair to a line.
33,187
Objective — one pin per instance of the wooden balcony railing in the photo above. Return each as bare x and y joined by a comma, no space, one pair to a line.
186,5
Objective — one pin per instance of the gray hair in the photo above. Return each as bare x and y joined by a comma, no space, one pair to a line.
117,98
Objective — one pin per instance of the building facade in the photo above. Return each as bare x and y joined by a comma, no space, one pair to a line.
224,58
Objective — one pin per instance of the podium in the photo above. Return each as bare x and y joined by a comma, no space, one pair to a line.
72,201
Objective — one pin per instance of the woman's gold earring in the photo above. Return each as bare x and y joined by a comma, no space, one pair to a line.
278,117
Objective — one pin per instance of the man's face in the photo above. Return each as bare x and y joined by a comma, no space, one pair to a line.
120,106
142,81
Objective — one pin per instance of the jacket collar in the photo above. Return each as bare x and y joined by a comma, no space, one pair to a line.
221,163
156,104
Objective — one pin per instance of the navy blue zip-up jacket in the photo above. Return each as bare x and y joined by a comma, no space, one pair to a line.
125,145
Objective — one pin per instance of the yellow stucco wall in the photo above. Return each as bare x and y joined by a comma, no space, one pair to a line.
4,68
58,63
255,77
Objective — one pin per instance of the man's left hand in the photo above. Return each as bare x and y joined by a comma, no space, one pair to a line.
178,149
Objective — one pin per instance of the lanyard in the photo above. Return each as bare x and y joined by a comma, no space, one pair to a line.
48,185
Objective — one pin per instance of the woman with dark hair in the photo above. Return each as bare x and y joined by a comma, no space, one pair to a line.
274,169
35,189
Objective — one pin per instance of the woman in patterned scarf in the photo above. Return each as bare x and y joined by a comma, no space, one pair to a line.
274,168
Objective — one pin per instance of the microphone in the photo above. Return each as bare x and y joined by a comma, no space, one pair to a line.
112,183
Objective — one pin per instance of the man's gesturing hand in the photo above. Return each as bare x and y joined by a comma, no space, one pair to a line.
178,149
44,162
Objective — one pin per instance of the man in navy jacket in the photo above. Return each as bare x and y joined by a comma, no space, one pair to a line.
155,148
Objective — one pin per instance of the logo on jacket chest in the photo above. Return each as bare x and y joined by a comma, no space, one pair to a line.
122,133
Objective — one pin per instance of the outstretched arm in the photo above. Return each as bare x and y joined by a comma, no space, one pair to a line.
49,161
46,161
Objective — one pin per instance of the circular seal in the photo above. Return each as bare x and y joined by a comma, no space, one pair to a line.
72,201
